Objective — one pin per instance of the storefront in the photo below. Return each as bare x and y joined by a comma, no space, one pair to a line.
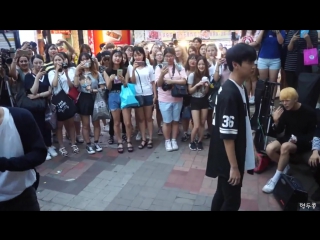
118,37
184,36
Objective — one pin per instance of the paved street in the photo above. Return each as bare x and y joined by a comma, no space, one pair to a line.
148,179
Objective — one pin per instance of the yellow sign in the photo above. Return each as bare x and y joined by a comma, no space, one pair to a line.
167,35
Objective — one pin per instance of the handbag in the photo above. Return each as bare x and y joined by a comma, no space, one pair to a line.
100,108
33,105
310,56
51,116
177,89
65,106
127,96
74,94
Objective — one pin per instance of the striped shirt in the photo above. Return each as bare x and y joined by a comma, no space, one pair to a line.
49,66
298,47
316,143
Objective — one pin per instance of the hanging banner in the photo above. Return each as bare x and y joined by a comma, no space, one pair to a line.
186,35
118,37
66,32
91,41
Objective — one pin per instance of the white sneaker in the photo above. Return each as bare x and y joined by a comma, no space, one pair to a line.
52,151
269,187
48,156
174,145
168,146
138,137
287,168
251,100
106,128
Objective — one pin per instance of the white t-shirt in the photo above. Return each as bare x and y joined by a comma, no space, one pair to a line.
250,159
201,91
62,81
144,78
12,184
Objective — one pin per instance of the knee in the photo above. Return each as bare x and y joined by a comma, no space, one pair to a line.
116,123
270,149
285,149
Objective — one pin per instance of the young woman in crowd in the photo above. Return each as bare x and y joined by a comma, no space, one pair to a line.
192,50
198,85
181,56
215,75
89,81
114,82
203,50
143,78
158,60
190,67
37,86
170,107
61,80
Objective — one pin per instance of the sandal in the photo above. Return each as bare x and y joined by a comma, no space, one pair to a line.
124,137
120,148
142,144
111,140
150,144
130,148
75,149
63,151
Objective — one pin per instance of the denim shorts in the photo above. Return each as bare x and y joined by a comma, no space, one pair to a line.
170,111
114,101
145,101
268,63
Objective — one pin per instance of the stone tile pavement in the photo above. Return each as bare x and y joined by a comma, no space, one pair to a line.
148,179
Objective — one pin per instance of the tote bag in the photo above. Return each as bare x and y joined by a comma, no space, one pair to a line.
65,106
310,56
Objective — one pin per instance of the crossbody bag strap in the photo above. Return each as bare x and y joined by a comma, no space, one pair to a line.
1,87
139,80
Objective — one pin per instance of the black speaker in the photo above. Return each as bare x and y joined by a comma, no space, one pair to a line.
289,193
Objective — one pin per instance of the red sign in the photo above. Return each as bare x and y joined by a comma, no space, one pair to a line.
118,37
66,32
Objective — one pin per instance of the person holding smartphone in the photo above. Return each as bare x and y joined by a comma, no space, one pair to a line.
231,149
294,64
142,76
89,81
37,85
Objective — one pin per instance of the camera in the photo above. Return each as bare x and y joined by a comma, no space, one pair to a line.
166,87
5,56
64,65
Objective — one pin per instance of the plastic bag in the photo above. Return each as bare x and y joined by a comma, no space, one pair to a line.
127,96
100,109
51,116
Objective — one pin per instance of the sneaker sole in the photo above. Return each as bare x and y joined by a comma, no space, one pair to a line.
192,149
100,150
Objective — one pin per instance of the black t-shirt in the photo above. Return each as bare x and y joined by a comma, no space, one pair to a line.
43,83
116,85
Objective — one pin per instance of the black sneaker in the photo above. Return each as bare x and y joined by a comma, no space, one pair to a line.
90,149
193,146
200,146
185,137
97,147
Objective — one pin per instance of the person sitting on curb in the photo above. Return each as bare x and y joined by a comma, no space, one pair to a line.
298,122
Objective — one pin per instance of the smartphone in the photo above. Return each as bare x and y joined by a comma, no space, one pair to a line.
140,63
43,69
24,52
303,32
164,64
233,36
119,72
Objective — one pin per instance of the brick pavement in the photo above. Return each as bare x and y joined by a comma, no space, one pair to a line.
148,179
